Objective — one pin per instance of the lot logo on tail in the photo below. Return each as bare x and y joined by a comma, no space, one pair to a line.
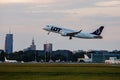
98,31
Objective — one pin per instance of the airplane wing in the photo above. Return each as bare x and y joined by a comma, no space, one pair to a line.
73,33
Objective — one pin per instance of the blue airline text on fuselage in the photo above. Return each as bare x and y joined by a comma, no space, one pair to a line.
56,29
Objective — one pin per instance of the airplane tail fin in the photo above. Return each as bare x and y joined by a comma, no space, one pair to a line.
98,31
5,59
86,57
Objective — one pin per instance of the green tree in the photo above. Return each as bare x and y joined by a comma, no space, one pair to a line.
2,56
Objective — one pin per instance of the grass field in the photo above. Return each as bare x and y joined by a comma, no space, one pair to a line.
29,71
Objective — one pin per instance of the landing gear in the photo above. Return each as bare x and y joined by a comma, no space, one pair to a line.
48,33
70,37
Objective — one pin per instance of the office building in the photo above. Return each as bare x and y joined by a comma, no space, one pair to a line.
48,47
9,43
48,51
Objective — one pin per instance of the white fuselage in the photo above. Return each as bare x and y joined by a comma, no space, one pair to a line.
113,60
86,59
10,61
64,32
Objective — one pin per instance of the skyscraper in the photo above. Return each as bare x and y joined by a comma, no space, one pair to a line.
48,51
48,47
9,43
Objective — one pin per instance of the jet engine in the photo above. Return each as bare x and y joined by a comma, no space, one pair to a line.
63,34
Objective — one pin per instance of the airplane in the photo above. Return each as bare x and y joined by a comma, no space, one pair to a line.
73,33
10,61
112,60
86,59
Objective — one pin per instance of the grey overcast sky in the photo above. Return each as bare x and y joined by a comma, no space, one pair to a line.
26,18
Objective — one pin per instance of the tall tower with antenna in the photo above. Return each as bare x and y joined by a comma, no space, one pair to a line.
33,46
9,42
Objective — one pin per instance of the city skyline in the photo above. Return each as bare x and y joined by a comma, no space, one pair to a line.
26,18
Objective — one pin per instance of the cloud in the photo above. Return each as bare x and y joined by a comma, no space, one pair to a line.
108,3
27,1
95,11
82,12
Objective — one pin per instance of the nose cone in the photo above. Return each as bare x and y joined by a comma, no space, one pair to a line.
45,28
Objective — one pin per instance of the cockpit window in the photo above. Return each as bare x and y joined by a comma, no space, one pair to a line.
47,25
